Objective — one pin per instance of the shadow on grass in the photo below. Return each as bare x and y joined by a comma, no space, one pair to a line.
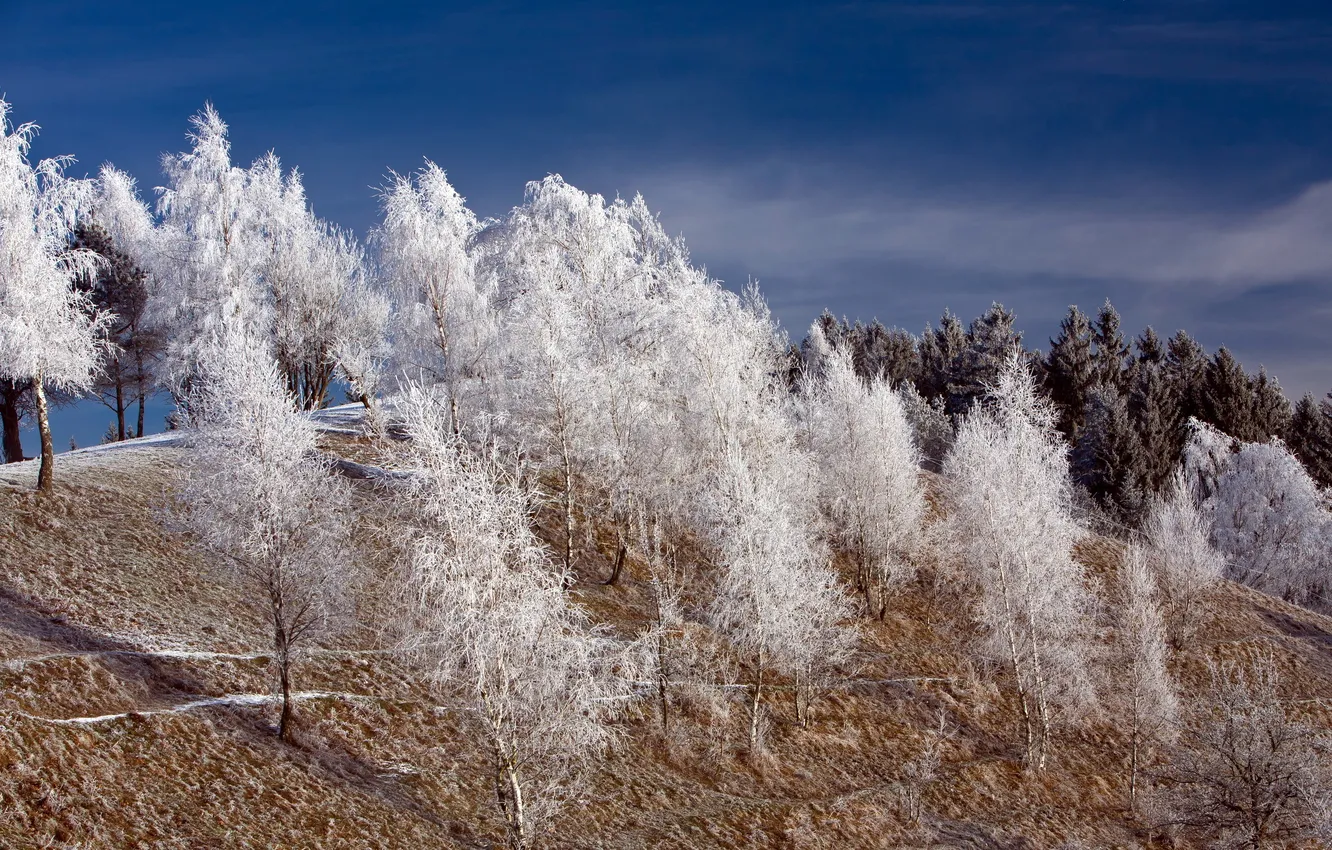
167,681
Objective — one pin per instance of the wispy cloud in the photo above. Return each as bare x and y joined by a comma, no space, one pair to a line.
736,216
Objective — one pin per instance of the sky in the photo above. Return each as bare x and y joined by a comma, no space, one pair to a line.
878,159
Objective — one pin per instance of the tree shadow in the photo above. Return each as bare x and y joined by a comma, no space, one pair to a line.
168,681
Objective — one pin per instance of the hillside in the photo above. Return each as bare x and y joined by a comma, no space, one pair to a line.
135,710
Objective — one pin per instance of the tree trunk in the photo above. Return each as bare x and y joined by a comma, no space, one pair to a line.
515,814
282,655
663,687
120,401
284,675
754,705
140,384
619,564
802,699
1133,772
568,509
46,473
10,395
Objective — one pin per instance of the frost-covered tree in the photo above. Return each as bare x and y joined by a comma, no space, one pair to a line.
441,320
869,472
491,624
777,600
1185,564
50,333
1011,503
1147,699
206,263
362,349
258,496
1246,774
306,268
1267,516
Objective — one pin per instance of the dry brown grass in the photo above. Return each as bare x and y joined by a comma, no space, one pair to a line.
91,580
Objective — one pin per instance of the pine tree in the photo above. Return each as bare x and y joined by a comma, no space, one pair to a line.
882,352
1111,349
1107,458
1271,413
939,352
1310,438
119,288
1228,397
1155,423
1071,371
1150,347
990,339
1186,369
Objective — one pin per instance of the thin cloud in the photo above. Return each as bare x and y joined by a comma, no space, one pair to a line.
804,228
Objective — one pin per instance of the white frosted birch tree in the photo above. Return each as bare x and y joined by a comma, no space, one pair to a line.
1265,514
777,600
1183,560
868,471
257,495
1150,707
490,624
206,266
49,332
1011,504
442,327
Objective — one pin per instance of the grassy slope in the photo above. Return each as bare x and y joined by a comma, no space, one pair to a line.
91,580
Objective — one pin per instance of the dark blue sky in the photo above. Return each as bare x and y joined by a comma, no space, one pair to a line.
879,159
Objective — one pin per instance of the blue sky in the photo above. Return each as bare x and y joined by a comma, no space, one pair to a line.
880,159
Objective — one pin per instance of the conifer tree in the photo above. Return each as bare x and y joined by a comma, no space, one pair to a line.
1155,423
1107,458
1111,349
939,352
119,288
1186,369
1310,438
1071,371
990,338
882,352
1228,396
1150,347
1271,412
